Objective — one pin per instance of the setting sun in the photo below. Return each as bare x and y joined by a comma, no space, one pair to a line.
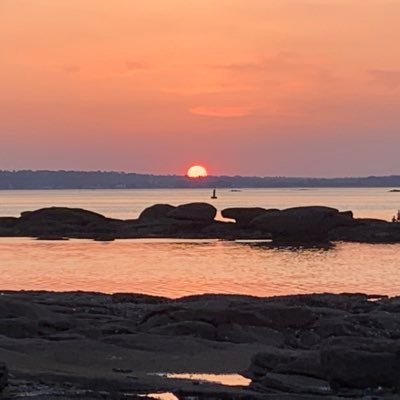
197,171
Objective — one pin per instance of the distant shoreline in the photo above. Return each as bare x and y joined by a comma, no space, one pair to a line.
58,180
388,188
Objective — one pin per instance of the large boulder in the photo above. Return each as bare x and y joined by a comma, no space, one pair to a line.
62,221
201,212
244,215
305,224
156,212
77,216
361,363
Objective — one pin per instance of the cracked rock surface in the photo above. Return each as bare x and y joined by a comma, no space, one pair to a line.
92,345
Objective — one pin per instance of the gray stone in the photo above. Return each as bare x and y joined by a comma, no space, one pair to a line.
3,376
369,364
295,384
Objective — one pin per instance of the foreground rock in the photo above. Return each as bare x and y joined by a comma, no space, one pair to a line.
360,363
3,377
197,221
111,346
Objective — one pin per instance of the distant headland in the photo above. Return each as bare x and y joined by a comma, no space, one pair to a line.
43,179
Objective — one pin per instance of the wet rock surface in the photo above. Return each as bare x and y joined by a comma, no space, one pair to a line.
313,224
92,345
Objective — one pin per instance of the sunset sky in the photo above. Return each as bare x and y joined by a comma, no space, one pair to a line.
249,87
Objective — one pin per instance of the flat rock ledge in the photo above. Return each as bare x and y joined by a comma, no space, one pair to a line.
312,224
80,345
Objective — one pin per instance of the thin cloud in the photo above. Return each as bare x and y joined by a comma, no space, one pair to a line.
208,90
241,66
221,112
386,77
136,65
282,60
72,69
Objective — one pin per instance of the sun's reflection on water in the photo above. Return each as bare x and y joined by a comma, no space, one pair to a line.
175,268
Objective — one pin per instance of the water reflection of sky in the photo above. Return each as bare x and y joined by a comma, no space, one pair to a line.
223,379
127,204
179,268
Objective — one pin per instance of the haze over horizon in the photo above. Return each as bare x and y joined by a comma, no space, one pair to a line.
306,88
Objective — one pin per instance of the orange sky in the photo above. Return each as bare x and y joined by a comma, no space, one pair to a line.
277,87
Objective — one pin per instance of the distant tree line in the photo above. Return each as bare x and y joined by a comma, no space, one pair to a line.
27,179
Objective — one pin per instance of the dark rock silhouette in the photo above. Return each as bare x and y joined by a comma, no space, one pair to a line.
114,344
76,216
369,231
63,221
156,212
306,225
361,362
302,223
7,226
3,377
202,212
244,215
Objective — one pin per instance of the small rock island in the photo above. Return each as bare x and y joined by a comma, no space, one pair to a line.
310,224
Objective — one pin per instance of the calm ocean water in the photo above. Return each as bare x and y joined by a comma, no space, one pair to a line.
176,268
370,202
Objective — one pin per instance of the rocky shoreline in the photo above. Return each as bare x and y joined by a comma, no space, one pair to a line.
313,224
81,345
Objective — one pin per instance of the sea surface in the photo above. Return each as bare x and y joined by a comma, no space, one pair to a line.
177,268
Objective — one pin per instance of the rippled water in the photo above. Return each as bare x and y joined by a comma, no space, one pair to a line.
178,268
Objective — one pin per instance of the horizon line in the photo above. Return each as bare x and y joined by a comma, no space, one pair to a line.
200,178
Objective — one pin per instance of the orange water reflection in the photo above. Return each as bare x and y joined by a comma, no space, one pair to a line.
223,379
178,268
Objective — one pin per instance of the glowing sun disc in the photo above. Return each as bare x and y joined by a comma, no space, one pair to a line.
197,171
